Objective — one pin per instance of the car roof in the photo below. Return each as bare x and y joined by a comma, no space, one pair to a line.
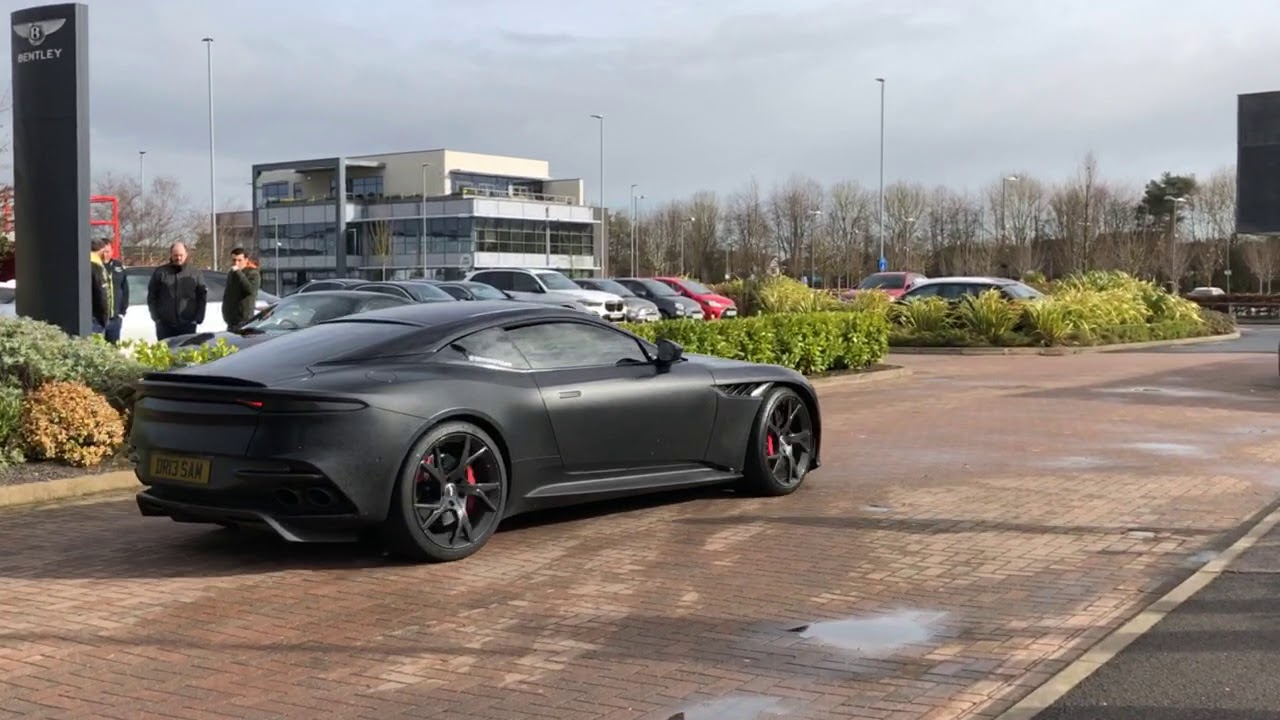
970,279
354,294
443,314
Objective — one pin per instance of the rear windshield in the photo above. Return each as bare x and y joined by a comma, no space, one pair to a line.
295,351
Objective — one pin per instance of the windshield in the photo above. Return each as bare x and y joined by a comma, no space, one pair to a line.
1022,292
697,288
556,281
486,292
304,310
884,282
659,288
422,292
611,286
7,295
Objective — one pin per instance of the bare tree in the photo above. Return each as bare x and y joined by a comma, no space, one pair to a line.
849,213
791,208
748,232
905,206
151,221
703,252
1263,257
1212,222
380,235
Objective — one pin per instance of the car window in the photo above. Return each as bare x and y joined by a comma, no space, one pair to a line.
378,303
491,348
486,292
553,280
555,345
423,292
391,290
1022,291
498,279
883,281
923,291
955,291
320,285
521,282
696,287
455,291
611,286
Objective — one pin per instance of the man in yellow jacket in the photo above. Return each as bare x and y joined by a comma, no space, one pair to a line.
108,291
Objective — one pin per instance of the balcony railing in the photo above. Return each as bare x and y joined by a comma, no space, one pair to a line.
370,198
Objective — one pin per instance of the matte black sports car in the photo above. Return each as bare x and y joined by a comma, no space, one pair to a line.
430,423
292,313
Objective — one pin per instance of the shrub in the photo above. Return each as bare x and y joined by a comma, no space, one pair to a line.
988,315
1217,323
159,356
69,422
877,301
1049,321
923,315
10,425
775,295
808,342
33,353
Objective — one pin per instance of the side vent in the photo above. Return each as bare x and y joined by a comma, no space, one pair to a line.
742,389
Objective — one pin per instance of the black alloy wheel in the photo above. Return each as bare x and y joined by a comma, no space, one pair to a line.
450,496
782,445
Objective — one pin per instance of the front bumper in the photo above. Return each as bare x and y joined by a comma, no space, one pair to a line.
604,312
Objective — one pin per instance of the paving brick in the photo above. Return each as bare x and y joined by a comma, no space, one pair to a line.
997,491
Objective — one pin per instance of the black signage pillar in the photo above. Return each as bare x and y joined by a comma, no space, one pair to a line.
50,58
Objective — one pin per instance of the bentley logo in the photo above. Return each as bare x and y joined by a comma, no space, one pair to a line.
36,32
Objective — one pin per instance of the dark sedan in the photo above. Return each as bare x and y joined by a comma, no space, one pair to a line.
294,312
431,423
415,290
670,303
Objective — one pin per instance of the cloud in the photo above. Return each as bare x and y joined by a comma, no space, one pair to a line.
696,95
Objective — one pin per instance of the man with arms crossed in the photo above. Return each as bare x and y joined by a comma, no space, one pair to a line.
177,295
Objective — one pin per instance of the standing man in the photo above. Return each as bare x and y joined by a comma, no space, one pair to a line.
102,294
120,284
241,297
177,295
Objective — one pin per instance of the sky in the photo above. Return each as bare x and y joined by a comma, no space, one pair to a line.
697,95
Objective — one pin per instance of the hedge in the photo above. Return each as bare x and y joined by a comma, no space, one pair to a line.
811,343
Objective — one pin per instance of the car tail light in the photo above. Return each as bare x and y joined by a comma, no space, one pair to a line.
300,405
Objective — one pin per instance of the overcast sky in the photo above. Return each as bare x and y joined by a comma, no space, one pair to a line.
698,94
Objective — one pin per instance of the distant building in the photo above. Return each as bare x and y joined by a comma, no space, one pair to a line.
438,213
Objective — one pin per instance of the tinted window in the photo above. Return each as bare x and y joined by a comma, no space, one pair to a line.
293,352
883,281
521,282
1021,291
610,286
923,291
299,311
391,290
455,291
556,281
696,287
423,292
554,345
492,348
657,288
320,285
500,280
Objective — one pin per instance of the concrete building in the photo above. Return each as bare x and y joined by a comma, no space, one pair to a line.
432,213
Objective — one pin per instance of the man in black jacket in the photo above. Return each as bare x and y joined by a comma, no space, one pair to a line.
240,299
102,294
177,295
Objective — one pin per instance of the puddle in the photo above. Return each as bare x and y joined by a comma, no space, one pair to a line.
1169,449
734,707
875,635
1177,392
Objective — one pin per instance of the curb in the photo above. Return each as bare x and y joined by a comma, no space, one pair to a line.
1095,657
35,493
893,372
1061,350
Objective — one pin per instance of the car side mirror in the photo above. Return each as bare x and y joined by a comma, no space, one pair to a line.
669,352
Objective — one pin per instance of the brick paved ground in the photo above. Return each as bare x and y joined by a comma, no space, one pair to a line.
991,497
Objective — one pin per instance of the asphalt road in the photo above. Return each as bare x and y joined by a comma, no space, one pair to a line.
1253,339
1215,657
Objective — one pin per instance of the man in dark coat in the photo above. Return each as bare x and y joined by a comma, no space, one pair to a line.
102,293
241,297
177,295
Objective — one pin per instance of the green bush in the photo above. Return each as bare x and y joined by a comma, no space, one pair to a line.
33,353
811,343
1094,308
776,295
159,356
1218,323
10,425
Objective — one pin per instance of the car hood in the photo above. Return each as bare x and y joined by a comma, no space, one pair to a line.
727,302
596,296
639,302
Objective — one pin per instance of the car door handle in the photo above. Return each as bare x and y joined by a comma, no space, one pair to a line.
570,394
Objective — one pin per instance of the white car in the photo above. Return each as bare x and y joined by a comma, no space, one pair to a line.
137,323
607,305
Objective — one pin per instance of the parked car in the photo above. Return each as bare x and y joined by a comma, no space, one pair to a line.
330,284
893,283
8,293
292,313
714,306
415,290
955,288
471,290
540,282
432,423
1206,291
637,308
671,304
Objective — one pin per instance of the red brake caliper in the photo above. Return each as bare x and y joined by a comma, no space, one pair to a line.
768,443
471,500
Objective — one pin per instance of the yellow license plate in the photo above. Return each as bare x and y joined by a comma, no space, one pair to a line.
181,469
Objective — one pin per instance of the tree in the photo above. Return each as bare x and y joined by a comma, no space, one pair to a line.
1212,222
380,233
749,234
151,221
791,209
1263,257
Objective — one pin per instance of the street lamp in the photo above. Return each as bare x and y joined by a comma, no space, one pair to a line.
213,190
883,264
633,227
275,235
812,264
423,242
1175,201
1004,184
690,221
604,220
142,176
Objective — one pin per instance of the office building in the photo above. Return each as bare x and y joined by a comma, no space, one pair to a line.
433,213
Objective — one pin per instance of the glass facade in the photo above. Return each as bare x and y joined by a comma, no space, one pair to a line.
530,236
496,183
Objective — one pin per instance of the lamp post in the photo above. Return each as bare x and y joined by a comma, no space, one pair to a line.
1004,185
142,174
423,242
883,263
812,263
1175,201
213,190
690,221
604,220
275,236
633,227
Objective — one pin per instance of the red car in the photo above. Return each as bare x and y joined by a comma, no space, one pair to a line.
891,283
714,306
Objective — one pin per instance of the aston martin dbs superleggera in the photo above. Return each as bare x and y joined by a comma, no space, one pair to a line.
428,424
